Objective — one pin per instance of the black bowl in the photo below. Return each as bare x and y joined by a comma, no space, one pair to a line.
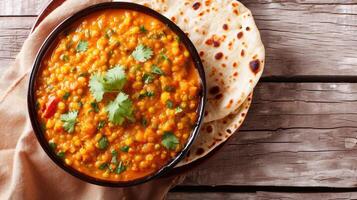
49,44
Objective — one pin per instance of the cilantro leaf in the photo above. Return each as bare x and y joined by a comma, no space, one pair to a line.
96,87
103,143
156,70
101,124
148,78
164,56
121,168
82,46
115,79
69,120
64,58
114,157
66,95
120,109
124,148
103,166
94,106
61,154
112,81
169,88
169,104
169,140
142,53
178,110
143,29
147,94
52,145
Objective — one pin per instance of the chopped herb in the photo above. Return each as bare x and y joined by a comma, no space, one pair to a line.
103,143
66,95
157,36
103,166
169,104
178,110
114,157
109,33
82,46
143,29
178,39
52,145
61,154
112,81
69,120
120,109
124,148
121,168
144,122
142,53
156,70
147,94
84,74
169,88
80,104
64,57
169,140
101,124
148,78
94,106
164,56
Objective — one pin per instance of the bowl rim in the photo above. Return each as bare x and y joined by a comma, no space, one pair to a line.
51,40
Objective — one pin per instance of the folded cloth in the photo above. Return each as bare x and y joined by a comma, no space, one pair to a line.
25,170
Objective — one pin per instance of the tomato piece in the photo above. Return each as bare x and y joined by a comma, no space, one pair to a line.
51,107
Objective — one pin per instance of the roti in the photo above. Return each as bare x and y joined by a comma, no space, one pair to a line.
213,134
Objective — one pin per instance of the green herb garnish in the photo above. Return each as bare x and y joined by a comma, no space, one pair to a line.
148,78
61,154
82,46
147,94
124,148
169,88
142,53
114,157
169,104
156,70
121,168
69,120
143,29
103,143
66,95
178,110
52,145
103,166
120,109
169,140
144,122
112,81
64,57
95,106
101,124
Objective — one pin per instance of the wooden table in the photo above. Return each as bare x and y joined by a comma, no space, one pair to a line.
301,132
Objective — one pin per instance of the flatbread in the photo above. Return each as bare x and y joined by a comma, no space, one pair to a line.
214,133
229,43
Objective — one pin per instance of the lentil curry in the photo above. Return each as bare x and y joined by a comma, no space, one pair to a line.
118,95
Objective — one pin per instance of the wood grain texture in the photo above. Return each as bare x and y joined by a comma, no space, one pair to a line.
13,32
21,7
262,196
302,38
295,135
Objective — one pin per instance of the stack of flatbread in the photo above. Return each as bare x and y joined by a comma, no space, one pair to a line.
228,41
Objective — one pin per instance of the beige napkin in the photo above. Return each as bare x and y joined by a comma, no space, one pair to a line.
25,170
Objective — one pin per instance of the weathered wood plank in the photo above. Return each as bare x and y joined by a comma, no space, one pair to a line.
302,37
13,32
21,7
261,196
211,196
295,135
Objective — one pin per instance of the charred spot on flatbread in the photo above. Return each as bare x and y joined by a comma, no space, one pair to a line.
255,66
